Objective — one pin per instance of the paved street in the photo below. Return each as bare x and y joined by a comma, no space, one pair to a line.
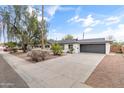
9,78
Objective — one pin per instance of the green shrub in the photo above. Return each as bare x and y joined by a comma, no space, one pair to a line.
11,44
57,49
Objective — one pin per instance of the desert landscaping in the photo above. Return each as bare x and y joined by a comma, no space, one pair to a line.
38,50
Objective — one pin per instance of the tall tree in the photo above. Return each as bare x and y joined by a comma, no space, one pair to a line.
68,37
22,26
33,29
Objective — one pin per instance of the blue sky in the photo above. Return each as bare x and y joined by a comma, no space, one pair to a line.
95,21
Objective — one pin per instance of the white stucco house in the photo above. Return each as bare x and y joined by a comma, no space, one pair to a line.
97,45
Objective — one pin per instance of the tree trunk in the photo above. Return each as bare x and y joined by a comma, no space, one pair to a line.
42,32
24,48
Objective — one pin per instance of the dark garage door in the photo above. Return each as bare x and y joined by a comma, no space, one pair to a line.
93,48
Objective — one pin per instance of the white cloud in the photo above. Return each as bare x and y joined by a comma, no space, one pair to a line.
40,18
61,8
88,30
31,9
74,19
51,10
89,21
121,26
53,34
117,33
53,31
112,20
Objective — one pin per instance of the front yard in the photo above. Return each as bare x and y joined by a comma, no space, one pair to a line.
75,70
37,54
109,73
25,56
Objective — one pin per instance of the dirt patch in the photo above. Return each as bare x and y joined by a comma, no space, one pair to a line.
109,73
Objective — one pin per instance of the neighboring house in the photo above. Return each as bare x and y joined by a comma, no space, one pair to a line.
49,44
98,45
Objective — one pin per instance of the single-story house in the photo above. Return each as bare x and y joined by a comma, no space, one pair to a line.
97,45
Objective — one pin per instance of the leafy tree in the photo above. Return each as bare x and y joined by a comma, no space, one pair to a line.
68,37
115,43
22,26
34,33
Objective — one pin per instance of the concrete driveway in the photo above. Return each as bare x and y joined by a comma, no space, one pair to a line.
67,71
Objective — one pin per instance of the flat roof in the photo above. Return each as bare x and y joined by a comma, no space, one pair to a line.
85,41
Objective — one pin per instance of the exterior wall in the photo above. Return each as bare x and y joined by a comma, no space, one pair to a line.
76,48
66,48
107,48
